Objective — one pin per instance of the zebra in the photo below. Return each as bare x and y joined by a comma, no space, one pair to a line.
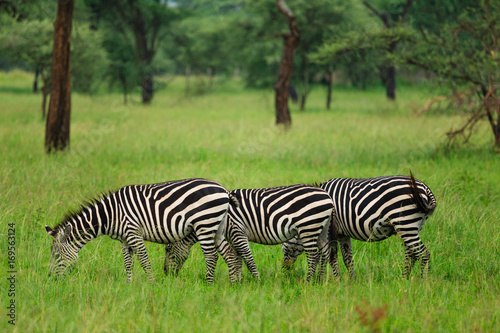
160,213
268,216
371,210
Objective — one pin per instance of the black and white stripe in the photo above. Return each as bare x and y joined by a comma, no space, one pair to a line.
269,216
161,213
374,209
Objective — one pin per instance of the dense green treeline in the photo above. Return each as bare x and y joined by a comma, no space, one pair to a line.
140,45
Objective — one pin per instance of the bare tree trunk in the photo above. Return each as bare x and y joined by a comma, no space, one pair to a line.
303,102
390,82
329,89
290,43
210,74
147,88
35,81
305,81
145,55
45,93
188,76
58,118
389,74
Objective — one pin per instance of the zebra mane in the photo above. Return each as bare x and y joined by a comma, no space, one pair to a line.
316,184
72,213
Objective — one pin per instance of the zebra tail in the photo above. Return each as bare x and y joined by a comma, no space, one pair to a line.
233,201
333,232
428,208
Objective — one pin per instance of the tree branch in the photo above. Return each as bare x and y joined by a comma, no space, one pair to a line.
383,16
292,24
406,9
283,7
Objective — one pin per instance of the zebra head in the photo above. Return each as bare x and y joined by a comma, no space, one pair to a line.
64,253
291,250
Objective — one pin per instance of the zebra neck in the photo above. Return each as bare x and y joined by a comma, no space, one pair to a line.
92,221
80,234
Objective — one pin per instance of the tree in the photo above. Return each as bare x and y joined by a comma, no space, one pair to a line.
122,69
58,118
290,43
391,18
200,47
88,58
319,20
143,24
465,54
30,42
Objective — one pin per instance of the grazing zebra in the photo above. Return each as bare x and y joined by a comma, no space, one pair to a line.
161,213
371,210
268,216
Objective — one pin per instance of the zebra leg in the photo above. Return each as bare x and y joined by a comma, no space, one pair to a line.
333,258
128,260
242,248
324,250
346,249
227,251
409,262
211,257
313,257
139,249
230,257
238,264
177,253
169,265
292,249
424,262
415,250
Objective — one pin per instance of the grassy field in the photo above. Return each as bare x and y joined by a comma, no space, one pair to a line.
229,136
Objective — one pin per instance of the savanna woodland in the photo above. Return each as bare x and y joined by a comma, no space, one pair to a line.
99,94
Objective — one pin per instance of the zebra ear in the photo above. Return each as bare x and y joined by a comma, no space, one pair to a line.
50,231
66,232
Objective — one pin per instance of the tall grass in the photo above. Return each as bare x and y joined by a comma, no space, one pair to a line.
229,136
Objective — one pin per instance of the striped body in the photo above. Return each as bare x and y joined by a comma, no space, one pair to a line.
269,216
374,209
160,213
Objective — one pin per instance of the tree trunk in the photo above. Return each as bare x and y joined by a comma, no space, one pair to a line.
390,82
188,76
305,81
210,74
45,93
145,55
390,73
58,118
497,134
35,81
329,89
147,88
290,43
303,101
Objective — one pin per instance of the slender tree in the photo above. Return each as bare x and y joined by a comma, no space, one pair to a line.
388,74
58,118
141,23
290,43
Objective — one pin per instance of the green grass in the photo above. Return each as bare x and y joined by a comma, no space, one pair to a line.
229,136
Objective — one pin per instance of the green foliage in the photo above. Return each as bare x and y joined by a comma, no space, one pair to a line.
201,44
28,41
122,69
141,24
463,52
229,136
88,59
